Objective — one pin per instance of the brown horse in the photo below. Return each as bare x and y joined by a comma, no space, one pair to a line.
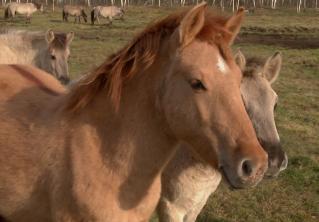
97,151
187,182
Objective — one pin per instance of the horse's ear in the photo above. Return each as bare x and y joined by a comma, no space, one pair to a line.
191,24
240,60
49,36
272,67
233,24
69,37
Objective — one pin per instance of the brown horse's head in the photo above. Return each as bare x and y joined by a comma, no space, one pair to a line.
58,54
190,76
202,100
260,102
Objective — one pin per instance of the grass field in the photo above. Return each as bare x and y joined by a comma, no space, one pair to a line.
294,195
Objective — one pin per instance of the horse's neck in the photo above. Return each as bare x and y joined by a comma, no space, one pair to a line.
27,51
133,145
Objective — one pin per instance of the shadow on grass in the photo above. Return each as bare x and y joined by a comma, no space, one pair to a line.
210,218
56,21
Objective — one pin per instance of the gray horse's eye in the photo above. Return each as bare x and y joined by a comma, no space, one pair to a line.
197,85
53,57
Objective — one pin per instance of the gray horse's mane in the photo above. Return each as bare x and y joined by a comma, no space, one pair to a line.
60,39
21,34
37,5
23,39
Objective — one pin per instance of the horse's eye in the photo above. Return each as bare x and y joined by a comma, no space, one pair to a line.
197,85
53,57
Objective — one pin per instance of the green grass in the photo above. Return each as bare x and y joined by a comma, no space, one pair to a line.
294,195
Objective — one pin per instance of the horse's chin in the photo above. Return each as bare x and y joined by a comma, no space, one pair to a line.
230,184
235,183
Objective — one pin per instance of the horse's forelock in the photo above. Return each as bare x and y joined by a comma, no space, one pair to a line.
59,41
143,50
254,66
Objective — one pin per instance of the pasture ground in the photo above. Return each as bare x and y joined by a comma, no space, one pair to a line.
294,195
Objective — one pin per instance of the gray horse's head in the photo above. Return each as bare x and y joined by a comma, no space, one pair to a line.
38,6
260,102
58,54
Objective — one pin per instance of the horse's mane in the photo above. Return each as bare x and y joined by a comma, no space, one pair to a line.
37,5
12,35
141,52
254,66
60,40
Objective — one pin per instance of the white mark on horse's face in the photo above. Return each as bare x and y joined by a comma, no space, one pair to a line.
221,65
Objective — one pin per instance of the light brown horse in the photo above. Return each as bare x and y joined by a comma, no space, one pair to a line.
96,152
187,182
108,12
74,10
27,9
48,51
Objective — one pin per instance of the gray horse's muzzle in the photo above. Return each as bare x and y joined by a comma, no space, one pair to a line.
277,159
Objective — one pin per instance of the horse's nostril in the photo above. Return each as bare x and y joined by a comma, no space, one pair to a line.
247,168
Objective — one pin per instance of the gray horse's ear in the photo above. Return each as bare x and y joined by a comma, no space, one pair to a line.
49,36
240,60
272,67
69,37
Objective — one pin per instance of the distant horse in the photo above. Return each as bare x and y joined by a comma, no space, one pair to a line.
107,12
74,10
48,51
27,9
96,152
187,182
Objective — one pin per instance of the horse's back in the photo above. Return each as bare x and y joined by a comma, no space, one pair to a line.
23,8
25,97
16,78
109,11
72,8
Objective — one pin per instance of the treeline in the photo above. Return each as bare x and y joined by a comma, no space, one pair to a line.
223,4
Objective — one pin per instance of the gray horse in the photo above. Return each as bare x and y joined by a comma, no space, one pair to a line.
187,182
48,51
27,9
107,12
74,10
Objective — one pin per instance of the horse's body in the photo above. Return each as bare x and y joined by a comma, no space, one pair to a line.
106,12
26,9
74,10
187,182
96,152
48,51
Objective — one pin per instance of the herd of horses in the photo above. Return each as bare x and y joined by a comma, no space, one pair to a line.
27,9
154,127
